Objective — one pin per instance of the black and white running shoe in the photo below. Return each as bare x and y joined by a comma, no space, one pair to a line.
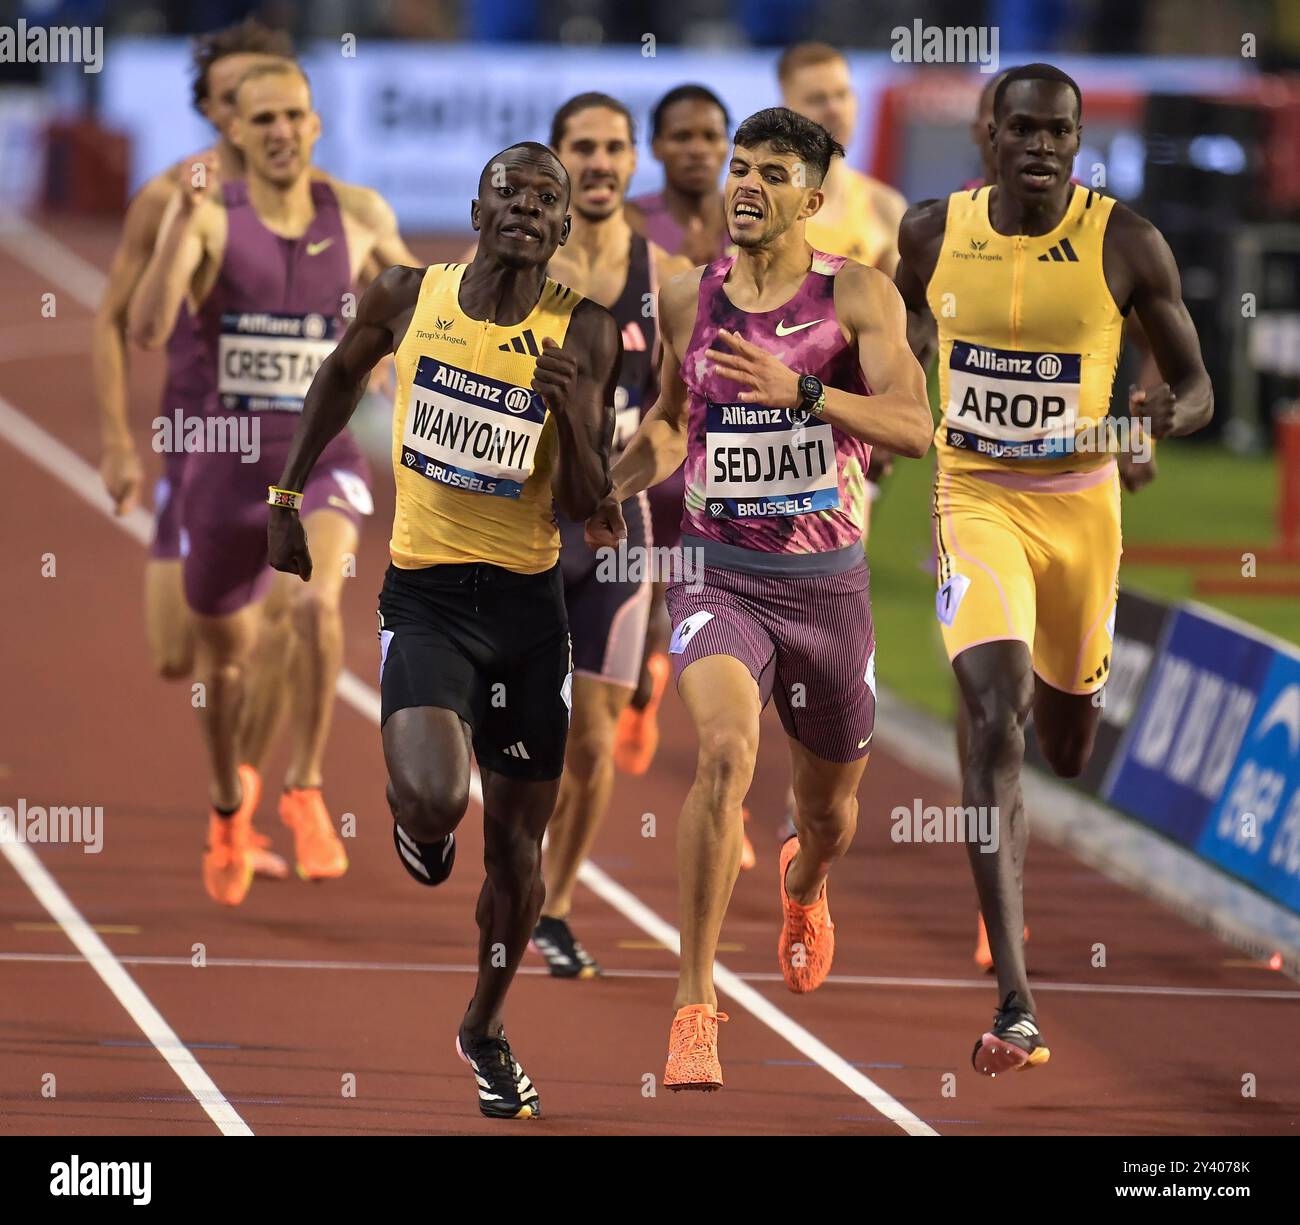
428,862
1012,1044
504,1090
565,956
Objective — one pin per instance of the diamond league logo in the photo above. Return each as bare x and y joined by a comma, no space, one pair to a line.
957,440
715,509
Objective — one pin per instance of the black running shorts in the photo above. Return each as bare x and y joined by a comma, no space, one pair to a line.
492,646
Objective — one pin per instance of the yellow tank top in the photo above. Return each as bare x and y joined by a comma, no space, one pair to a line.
859,233
473,446
1029,337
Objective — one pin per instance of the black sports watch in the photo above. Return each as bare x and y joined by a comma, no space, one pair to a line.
812,395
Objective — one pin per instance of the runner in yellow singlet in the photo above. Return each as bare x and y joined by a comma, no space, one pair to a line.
503,380
1030,281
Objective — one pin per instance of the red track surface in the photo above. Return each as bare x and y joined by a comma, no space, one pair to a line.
86,723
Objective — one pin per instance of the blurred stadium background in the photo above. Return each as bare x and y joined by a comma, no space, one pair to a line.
1192,110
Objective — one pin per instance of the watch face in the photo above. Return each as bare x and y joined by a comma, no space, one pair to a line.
810,387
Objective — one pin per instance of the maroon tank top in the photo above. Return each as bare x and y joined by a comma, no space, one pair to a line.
276,309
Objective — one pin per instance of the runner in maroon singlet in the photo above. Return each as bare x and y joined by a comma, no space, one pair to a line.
782,367
268,266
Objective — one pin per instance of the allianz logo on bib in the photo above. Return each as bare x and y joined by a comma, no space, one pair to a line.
739,415
516,399
310,326
1046,366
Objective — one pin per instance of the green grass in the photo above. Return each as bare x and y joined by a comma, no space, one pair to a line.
1202,495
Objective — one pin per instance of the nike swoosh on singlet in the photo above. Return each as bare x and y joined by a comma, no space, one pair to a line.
315,248
782,330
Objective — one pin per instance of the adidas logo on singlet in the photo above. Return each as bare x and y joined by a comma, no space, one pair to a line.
526,342
1100,674
1061,253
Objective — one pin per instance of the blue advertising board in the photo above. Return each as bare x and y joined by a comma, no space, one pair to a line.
1183,743
1254,830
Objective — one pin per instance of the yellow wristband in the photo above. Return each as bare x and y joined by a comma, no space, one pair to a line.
285,498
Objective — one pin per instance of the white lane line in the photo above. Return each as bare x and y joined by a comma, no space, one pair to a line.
69,468
124,989
835,980
56,459
51,260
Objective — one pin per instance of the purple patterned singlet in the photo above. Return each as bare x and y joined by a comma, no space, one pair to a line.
761,478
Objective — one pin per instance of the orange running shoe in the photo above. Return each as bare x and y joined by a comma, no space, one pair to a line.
984,954
636,739
747,857
693,1049
265,861
807,943
317,847
227,863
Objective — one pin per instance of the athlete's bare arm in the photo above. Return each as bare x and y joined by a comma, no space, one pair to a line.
919,237
120,464
890,206
667,266
658,448
189,228
383,315
896,415
577,383
1141,271
372,232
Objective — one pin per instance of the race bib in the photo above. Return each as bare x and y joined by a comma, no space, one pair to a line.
470,431
768,461
949,598
265,363
1010,404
